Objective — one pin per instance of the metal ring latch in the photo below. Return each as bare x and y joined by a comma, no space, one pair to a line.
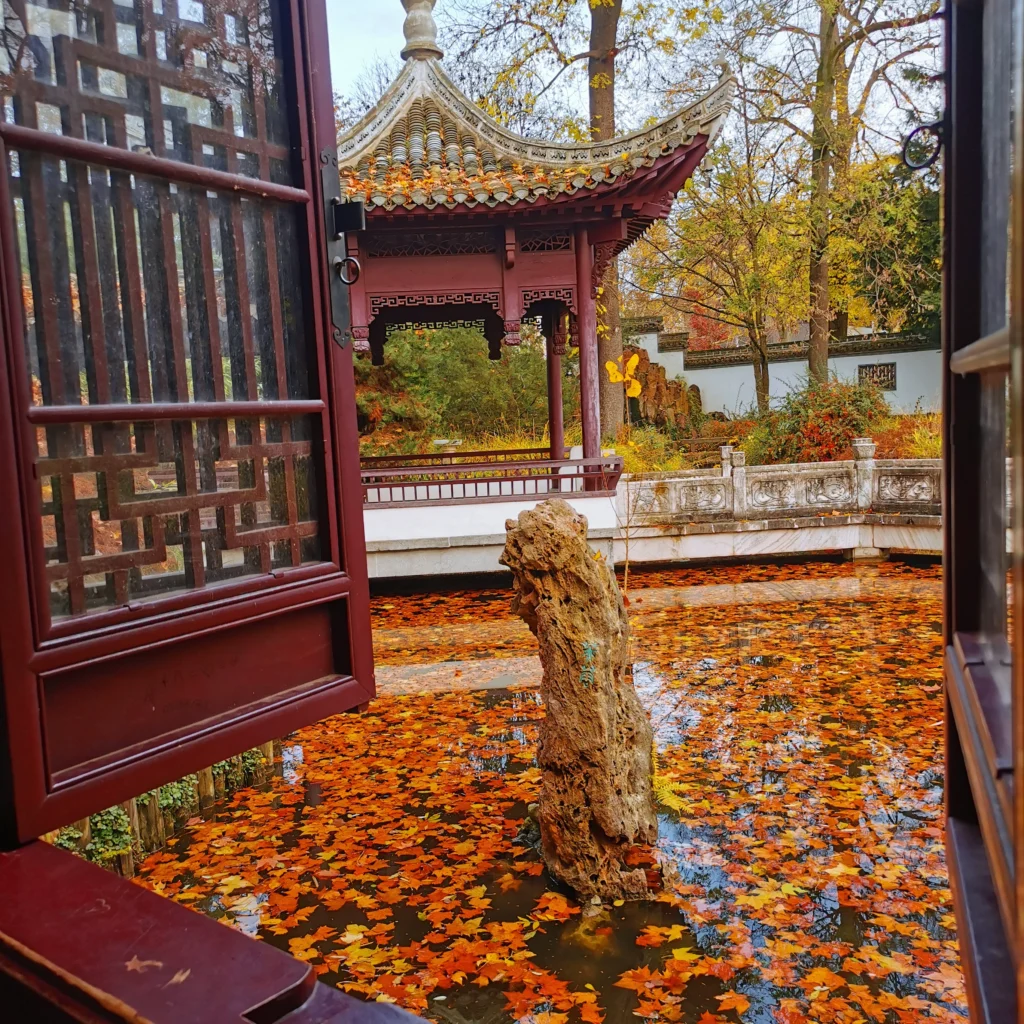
341,263
934,129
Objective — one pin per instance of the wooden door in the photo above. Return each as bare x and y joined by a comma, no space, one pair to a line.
181,545
984,497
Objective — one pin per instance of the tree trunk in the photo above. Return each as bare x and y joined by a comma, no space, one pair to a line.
839,326
843,135
595,750
604,27
821,150
759,349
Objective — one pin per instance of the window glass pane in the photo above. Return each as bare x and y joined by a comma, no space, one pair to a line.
182,80
134,511
993,512
139,290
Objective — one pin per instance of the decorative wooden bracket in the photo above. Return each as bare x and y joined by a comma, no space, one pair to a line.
510,248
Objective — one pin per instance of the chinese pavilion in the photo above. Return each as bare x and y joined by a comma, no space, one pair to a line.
469,222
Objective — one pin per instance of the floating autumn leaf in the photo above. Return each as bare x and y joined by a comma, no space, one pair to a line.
639,980
686,955
553,906
655,936
822,978
796,733
733,1001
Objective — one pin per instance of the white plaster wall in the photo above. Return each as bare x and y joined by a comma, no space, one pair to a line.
648,342
487,519
479,554
730,389
438,540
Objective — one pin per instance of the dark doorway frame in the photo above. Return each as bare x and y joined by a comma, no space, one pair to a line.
983,391
173,682
78,943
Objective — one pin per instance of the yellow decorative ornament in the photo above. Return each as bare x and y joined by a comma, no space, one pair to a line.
617,376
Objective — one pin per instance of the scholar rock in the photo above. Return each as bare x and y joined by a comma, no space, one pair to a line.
595,751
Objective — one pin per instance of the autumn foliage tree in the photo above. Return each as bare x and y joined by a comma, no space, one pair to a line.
893,243
831,75
705,332
517,54
733,251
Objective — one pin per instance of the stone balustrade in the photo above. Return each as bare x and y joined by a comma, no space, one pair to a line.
860,508
737,492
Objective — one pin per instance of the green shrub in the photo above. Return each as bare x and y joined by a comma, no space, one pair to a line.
648,449
176,797
110,835
68,838
441,383
815,423
253,764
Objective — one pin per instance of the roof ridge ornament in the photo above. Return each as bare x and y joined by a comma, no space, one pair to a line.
420,31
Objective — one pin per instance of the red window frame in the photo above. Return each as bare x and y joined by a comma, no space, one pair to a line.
316,617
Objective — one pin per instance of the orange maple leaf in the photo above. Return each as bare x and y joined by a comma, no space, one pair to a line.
733,1001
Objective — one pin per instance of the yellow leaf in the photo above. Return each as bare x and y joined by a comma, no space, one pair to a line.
685,954
841,869
632,365
634,389
614,374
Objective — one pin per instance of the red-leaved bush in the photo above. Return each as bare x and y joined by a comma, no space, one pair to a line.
816,423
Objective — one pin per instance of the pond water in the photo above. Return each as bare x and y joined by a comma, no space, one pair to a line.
798,719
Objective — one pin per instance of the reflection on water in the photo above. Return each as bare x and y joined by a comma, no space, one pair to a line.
799,761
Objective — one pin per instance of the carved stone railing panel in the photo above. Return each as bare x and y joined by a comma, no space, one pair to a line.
771,494
903,486
736,491
708,498
831,490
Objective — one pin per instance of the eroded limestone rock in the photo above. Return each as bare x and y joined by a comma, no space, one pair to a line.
597,798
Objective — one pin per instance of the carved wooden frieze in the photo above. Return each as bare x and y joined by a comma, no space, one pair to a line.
379,302
566,295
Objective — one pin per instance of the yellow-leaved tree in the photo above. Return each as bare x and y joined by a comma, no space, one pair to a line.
844,80
515,57
734,251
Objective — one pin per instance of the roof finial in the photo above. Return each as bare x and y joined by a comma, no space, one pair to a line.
420,31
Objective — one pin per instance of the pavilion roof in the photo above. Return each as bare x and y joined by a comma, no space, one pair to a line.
425,144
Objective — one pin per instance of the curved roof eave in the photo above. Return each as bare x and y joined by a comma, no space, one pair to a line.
425,78
656,181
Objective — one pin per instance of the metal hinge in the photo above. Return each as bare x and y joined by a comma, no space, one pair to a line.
339,217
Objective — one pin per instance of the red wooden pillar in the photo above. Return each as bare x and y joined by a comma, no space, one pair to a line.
556,419
586,315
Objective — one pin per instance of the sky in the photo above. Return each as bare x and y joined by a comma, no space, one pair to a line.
361,30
